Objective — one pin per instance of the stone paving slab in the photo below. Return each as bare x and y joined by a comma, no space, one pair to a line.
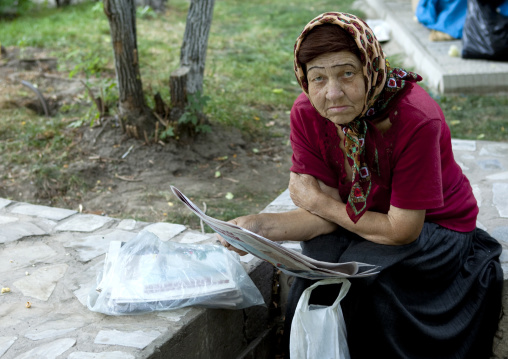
441,72
55,214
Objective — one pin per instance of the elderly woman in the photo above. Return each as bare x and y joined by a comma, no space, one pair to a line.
375,181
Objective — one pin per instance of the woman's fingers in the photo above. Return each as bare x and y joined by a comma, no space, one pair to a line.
227,245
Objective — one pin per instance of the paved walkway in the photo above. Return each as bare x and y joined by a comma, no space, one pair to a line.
50,257
441,72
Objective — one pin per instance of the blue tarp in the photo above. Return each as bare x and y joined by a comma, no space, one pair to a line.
447,16
503,9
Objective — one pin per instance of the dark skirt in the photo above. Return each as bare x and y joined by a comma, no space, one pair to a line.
438,297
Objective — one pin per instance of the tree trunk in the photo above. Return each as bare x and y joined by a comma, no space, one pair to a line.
178,87
195,42
122,21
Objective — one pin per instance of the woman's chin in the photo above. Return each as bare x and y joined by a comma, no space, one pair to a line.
340,120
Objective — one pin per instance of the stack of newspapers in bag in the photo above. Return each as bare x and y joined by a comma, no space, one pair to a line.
158,276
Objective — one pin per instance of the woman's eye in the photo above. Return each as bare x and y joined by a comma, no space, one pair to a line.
317,79
349,74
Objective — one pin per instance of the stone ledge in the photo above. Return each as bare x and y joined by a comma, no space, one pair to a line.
51,257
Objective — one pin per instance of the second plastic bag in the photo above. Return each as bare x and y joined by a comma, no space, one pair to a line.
146,274
319,331
485,34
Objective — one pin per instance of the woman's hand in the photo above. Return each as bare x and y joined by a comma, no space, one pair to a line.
295,225
250,222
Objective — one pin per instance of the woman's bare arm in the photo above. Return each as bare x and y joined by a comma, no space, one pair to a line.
397,227
297,225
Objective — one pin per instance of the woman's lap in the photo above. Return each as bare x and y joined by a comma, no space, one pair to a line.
441,291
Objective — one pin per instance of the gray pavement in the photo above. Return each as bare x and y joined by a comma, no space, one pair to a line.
441,72
50,257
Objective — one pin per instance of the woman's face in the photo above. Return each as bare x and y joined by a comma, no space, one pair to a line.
336,86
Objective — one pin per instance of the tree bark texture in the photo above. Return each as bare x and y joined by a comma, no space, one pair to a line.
178,91
178,87
122,21
195,42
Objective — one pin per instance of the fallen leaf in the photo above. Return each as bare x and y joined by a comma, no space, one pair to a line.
126,178
230,195
231,179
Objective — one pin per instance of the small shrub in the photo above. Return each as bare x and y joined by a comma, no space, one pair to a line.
193,117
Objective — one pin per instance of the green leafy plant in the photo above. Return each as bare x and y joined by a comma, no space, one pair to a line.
90,63
102,99
193,117
168,132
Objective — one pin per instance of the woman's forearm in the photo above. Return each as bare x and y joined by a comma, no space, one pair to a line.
297,225
398,226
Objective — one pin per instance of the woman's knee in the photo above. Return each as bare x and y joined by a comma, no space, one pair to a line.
327,247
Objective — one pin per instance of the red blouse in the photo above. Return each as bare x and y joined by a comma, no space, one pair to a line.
424,174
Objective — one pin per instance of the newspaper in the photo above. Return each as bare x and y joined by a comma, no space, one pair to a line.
285,259
146,279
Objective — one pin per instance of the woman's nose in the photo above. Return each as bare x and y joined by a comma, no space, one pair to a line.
334,90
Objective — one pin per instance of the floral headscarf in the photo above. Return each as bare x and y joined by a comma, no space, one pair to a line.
383,85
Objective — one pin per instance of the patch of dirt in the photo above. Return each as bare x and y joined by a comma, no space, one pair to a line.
131,179
112,175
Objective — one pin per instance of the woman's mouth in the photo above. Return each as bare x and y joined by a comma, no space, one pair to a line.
337,109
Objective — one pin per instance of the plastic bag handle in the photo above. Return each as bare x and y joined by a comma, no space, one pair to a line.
304,300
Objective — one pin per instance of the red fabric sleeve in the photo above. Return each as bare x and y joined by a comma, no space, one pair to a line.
417,179
308,151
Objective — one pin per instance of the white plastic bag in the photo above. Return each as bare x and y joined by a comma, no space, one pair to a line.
146,274
319,332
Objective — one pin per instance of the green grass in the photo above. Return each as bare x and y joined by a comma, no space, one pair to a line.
249,52
476,117
249,56
40,137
